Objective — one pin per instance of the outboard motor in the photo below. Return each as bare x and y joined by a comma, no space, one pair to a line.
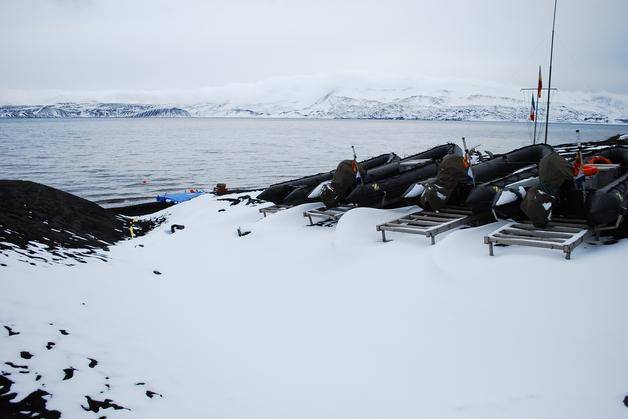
435,193
507,202
539,201
345,178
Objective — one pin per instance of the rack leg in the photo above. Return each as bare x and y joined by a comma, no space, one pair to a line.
433,239
384,236
310,218
490,249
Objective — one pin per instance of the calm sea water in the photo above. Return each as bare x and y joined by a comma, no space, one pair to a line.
120,160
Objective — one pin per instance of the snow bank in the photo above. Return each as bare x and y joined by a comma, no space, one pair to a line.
292,321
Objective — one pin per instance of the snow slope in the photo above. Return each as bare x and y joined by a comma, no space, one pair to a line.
293,321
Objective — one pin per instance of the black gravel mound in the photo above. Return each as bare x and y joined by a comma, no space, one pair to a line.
58,223
32,406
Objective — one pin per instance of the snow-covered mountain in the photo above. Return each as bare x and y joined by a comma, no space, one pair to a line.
91,110
348,96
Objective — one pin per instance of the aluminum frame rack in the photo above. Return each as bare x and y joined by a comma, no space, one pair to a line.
328,214
428,223
274,209
565,235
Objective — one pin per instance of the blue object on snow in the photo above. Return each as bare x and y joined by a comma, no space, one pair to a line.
178,197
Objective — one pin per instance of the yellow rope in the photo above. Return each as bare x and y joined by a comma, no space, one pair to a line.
131,228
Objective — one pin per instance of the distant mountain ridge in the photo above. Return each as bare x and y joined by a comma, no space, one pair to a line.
325,100
91,110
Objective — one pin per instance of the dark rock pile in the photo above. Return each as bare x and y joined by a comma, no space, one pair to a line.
46,224
33,405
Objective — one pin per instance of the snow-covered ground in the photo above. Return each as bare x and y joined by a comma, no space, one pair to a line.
293,321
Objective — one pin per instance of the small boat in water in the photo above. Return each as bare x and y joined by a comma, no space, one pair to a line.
278,192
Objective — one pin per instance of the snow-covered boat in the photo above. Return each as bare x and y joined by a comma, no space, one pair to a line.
277,192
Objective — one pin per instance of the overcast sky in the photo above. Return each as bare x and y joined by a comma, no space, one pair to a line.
186,44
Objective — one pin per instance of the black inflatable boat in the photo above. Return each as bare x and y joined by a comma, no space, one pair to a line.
606,204
602,202
279,191
303,194
488,198
388,191
493,175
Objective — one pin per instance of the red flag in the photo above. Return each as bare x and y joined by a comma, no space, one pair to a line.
540,88
533,110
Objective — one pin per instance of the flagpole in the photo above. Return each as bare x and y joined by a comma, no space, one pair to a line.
536,117
538,104
549,86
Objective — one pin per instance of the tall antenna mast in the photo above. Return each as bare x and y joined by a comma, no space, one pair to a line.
549,86
538,105
536,116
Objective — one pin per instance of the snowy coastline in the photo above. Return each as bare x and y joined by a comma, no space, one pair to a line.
297,321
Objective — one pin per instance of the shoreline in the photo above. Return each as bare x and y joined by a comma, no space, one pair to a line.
273,118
